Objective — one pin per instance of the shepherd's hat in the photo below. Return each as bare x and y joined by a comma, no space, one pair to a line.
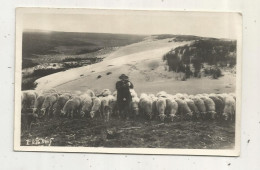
123,76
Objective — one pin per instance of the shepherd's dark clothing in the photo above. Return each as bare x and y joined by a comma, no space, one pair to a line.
123,94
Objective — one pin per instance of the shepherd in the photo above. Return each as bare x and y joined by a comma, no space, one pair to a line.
124,97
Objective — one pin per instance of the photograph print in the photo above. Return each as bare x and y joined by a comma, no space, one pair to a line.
128,81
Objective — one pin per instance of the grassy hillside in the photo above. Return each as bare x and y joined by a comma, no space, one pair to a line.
36,44
66,48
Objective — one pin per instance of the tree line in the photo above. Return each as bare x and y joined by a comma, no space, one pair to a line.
216,53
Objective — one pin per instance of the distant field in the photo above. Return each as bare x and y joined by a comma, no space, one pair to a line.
80,49
36,44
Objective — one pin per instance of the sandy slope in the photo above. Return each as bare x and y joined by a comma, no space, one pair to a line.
142,62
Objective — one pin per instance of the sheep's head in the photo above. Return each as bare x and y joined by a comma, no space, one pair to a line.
92,114
172,116
197,115
162,116
82,113
225,116
190,114
136,112
34,110
62,113
135,109
212,114
42,112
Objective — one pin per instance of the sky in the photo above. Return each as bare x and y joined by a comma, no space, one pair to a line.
218,25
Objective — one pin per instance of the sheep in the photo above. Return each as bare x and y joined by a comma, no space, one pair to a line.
95,107
28,99
143,95
48,91
154,100
205,94
210,107
86,104
161,94
185,96
133,93
145,105
219,104
220,97
112,104
84,97
223,96
38,104
108,104
183,108
192,107
161,107
229,109
233,95
48,104
90,93
201,107
180,96
71,107
77,93
134,108
61,101
114,94
171,108
105,110
191,96
106,92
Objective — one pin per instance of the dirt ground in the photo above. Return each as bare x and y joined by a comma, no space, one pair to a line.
195,134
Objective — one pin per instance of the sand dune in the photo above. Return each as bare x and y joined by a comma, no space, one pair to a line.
144,51
143,63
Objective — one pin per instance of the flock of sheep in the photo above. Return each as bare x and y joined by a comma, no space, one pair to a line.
162,105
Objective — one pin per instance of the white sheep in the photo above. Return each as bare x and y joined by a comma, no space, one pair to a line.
154,100
233,95
106,92
210,106
180,96
201,107
229,109
143,95
171,108
61,101
38,104
161,107
161,94
134,106
183,108
133,93
48,103
219,104
71,107
192,107
95,107
90,93
145,105
105,109
86,104
114,94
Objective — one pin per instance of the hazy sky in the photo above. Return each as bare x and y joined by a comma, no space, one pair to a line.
219,25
